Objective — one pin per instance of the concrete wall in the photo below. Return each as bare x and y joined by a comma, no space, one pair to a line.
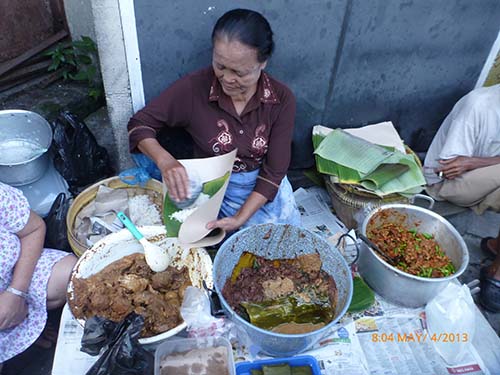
349,62
109,39
80,18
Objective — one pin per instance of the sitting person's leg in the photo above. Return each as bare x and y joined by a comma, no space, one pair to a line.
58,282
490,282
56,297
472,188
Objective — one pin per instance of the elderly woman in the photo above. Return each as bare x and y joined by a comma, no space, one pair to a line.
232,104
32,279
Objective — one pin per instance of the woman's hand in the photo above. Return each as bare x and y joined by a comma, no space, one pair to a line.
13,310
229,224
175,177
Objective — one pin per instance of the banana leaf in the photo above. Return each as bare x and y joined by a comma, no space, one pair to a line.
362,296
246,261
352,152
173,226
269,314
301,370
281,369
398,173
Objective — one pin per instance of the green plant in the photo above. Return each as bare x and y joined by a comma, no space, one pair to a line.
78,61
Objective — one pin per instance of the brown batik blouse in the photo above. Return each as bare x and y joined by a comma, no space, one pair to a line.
262,133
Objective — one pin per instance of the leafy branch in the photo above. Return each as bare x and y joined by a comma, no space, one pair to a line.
77,61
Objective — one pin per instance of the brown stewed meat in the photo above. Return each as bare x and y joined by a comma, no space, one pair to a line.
129,285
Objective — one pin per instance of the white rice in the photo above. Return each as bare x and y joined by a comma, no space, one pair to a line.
182,215
143,211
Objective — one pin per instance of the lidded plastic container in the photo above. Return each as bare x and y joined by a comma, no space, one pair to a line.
204,355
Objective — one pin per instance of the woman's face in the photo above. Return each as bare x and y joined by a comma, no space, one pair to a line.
236,66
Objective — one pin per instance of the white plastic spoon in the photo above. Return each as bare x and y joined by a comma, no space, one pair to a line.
157,258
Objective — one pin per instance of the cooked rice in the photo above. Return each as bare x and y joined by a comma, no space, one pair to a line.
143,211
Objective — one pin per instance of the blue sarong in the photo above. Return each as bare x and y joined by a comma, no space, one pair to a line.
281,210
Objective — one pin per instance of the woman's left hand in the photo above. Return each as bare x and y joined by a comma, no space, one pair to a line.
229,224
13,310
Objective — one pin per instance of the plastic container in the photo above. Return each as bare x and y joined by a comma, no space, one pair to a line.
244,368
188,344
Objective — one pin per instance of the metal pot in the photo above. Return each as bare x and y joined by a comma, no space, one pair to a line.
400,287
278,241
25,138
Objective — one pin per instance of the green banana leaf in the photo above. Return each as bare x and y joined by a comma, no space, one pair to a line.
301,370
345,149
362,296
272,313
397,173
281,369
173,226
213,186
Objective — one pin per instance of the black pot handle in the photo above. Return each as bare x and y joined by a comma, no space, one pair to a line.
355,244
215,305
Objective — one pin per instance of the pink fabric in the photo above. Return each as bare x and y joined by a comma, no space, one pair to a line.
14,214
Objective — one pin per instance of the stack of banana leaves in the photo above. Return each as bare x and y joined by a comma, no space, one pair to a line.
366,166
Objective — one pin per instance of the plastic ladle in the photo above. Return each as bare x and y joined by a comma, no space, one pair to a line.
157,258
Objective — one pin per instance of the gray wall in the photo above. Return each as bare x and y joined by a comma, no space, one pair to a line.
349,62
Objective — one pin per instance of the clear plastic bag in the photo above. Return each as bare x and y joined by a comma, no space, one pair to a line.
195,311
451,322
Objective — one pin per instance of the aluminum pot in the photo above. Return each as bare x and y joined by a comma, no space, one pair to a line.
278,241
400,287
25,138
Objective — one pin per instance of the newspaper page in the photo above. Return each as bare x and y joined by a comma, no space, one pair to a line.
395,340
316,213
68,358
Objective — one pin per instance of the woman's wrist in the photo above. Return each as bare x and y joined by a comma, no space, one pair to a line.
17,292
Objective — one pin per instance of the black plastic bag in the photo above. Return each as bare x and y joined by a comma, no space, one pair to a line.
78,157
56,236
124,355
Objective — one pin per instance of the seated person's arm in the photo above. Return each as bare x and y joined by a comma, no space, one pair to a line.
171,108
13,308
454,167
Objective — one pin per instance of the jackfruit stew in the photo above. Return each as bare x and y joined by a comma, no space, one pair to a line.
283,295
128,285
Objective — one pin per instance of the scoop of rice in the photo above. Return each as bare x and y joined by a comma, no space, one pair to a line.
143,211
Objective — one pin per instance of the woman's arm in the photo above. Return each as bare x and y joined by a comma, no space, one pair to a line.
253,203
174,174
13,308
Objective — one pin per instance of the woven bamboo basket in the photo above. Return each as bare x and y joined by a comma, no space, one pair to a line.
347,201
153,188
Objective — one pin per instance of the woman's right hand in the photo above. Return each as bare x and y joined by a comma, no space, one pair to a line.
175,177
13,310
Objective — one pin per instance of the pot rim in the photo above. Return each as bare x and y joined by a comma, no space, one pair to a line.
235,315
463,245
41,120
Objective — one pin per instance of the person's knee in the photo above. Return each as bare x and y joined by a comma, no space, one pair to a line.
58,282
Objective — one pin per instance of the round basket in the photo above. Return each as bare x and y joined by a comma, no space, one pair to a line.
347,201
153,188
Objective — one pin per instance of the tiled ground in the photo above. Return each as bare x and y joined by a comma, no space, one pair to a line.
37,361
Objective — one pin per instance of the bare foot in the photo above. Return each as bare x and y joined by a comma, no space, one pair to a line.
492,245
